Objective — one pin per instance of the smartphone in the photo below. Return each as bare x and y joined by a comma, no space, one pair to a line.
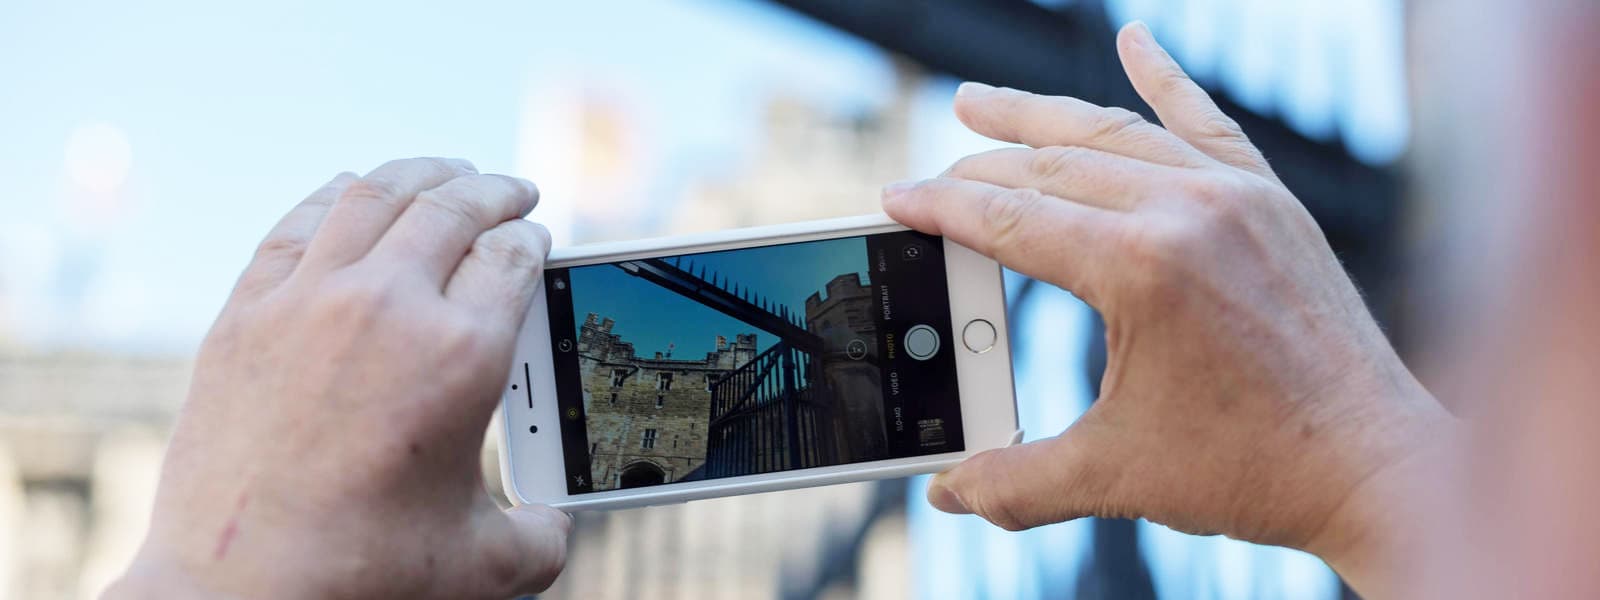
744,361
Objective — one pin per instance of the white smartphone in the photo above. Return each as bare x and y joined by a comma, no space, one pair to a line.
744,361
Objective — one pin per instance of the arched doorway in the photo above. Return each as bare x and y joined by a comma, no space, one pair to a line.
641,474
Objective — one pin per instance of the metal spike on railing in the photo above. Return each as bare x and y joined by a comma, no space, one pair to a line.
702,272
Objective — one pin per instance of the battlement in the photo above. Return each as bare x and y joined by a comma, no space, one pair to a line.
596,342
847,285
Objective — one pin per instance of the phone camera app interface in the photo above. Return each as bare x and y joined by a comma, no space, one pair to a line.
751,361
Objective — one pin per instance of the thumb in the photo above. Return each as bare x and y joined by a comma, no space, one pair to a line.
1020,487
538,535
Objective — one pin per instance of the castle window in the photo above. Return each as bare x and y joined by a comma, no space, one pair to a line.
661,400
674,442
618,376
593,448
664,381
613,398
710,379
649,440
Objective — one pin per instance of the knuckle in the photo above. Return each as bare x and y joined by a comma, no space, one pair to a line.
370,189
510,245
1114,121
1219,126
467,338
964,166
1004,213
284,247
1005,516
431,164
1155,252
513,187
1174,81
549,568
514,566
1221,199
1056,162
1002,512
460,206
502,570
358,301
985,498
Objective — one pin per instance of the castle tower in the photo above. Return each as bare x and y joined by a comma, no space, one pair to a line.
845,323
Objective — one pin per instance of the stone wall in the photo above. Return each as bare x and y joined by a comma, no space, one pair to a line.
646,413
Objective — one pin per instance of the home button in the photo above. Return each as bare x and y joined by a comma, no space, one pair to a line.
979,336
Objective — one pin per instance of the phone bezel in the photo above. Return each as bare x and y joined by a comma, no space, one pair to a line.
988,399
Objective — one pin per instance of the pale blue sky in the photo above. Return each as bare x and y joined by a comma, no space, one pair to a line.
233,111
225,114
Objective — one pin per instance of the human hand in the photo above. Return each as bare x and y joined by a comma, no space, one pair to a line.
1247,392
330,442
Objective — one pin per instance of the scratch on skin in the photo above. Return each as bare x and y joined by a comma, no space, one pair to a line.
231,529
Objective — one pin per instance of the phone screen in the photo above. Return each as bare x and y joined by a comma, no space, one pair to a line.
756,360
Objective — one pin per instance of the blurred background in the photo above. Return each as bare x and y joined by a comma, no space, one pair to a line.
146,146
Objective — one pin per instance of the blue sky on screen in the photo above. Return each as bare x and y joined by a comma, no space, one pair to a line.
651,317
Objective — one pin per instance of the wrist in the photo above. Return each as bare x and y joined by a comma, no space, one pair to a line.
1378,537
147,578
169,572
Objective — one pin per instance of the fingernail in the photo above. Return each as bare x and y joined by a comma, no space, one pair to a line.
945,499
898,188
973,88
566,522
533,190
1142,36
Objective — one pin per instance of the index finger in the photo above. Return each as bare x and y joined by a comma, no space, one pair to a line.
1038,121
1041,236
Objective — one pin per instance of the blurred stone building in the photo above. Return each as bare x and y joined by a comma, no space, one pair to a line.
81,438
